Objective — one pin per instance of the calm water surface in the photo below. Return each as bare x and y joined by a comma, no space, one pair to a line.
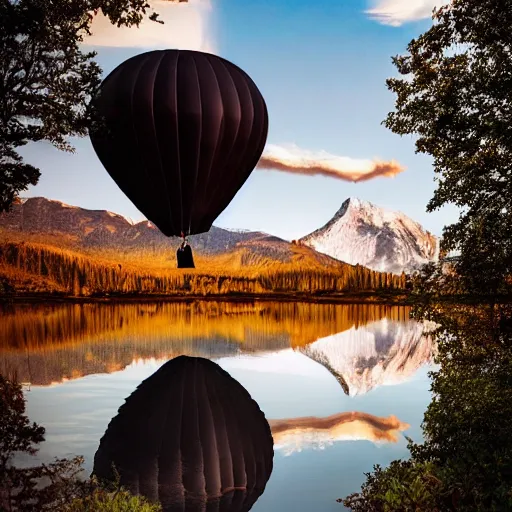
80,362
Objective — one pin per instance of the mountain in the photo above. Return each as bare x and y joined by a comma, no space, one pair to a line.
60,225
101,228
380,239
360,233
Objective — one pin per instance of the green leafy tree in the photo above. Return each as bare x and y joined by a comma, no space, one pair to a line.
402,487
46,80
467,424
465,462
455,98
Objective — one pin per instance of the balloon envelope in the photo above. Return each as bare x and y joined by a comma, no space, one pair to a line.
191,437
182,131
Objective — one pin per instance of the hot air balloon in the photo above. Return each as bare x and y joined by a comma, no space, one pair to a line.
190,437
181,132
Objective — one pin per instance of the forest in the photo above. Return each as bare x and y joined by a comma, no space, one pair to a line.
28,268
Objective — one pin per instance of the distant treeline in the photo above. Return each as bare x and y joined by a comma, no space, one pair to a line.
77,275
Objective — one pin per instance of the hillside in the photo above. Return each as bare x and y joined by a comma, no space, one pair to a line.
100,233
80,228
49,247
31,268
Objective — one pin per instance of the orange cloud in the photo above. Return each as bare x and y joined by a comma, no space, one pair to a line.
295,160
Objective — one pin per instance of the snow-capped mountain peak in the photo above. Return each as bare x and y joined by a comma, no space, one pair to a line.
381,239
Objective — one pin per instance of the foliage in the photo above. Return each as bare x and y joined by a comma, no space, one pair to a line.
46,81
468,447
403,486
439,280
103,501
16,432
54,486
20,488
467,424
81,275
454,97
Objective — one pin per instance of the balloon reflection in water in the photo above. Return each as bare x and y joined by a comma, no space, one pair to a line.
191,437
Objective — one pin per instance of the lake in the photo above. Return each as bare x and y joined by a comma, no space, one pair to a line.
79,362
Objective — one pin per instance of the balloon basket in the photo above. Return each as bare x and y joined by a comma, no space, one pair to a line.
185,257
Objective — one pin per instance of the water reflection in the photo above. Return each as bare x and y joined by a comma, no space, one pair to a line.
291,358
382,353
295,434
361,345
191,438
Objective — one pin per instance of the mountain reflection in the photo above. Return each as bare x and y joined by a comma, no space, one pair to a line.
382,353
296,434
361,345
190,437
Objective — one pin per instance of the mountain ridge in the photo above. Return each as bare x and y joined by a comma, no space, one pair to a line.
359,233
378,238
103,228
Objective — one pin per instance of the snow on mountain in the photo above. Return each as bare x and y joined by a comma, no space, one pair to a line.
380,239
119,216
381,353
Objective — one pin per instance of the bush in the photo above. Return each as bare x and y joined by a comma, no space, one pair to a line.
402,487
104,501
465,463
54,486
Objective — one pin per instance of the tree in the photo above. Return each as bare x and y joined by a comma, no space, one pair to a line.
455,97
19,488
54,486
465,462
46,80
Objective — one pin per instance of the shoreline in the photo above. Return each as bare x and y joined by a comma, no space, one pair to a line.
356,298
390,299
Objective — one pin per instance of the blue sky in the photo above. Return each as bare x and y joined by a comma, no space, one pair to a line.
321,67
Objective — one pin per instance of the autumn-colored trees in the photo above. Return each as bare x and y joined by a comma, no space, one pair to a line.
79,275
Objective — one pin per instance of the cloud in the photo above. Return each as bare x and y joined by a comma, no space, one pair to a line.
398,12
186,26
293,159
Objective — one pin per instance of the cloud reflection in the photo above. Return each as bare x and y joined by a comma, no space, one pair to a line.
296,434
